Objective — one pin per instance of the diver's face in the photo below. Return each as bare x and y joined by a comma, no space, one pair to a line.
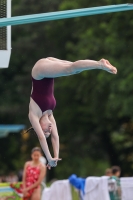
47,132
46,126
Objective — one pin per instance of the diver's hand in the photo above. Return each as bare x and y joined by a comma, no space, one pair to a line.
53,162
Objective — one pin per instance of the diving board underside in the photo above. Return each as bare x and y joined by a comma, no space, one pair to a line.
26,19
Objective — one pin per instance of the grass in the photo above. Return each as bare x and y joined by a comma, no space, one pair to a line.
75,194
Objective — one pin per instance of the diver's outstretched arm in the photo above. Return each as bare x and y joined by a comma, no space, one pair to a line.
52,162
36,126
54,137
51,68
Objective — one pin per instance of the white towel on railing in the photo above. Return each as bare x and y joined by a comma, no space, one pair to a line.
127,188
59,190
96,188
45,193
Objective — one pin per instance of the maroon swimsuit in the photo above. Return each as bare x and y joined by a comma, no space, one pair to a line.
43,93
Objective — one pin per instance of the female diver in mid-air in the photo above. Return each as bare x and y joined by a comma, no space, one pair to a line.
42,101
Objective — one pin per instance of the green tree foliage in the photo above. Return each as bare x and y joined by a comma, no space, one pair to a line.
103,102
94,108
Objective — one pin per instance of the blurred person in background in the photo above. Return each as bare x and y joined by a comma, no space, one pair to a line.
33,175
3,178
42,101
20,175
12,178
115,194
0,179
108,172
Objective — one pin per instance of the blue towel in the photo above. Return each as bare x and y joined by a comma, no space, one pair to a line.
78,183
